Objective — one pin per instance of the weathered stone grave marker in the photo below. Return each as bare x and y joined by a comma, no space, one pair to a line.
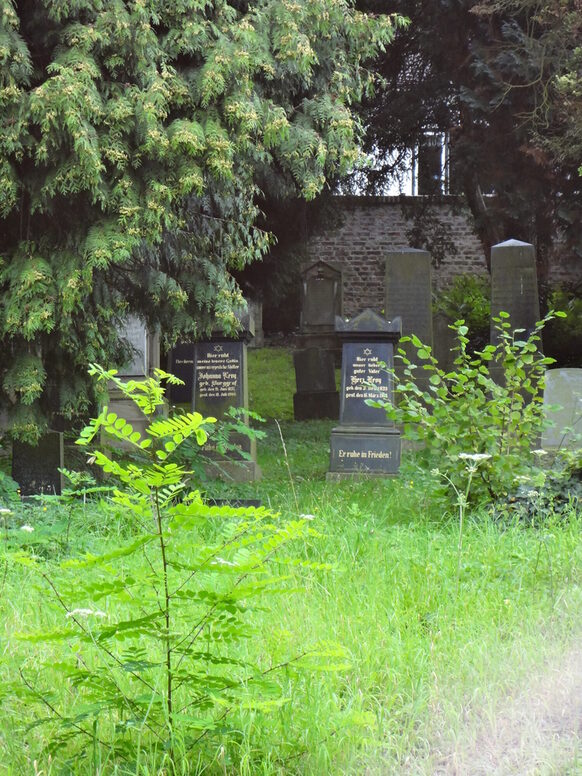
366,442
144,359
317,395
317,343
408,295
36,467
514,290
321,301
220,382
563,389
514,285
444,342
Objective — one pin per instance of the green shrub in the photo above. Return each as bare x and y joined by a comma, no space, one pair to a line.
467,412
468,298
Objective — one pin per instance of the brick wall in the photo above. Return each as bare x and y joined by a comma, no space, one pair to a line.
373,226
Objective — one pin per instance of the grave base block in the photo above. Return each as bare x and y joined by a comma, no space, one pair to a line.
326,341
234,471
363,452
319,404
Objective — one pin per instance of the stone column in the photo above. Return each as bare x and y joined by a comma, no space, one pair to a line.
408,295
514,285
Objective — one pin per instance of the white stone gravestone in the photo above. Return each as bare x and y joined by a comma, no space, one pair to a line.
563,389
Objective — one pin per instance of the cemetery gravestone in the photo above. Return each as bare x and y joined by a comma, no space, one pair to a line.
36,468
408,295
514,290
144,359
182,366
256,316
321,297
563,389
221,382
366,442
321,302
444,342
317,396
514,285
135,333
318,344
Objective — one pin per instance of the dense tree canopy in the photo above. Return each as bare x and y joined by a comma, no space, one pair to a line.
136,137
502,77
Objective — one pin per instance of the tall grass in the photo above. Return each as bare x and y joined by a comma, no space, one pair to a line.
418,656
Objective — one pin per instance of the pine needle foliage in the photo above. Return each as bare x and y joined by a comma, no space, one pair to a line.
146,635
135,137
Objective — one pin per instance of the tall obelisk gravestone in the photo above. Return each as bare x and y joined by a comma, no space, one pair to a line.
514,290
365,443
514,285
408,294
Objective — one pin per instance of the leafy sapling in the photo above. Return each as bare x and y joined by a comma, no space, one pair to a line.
151,628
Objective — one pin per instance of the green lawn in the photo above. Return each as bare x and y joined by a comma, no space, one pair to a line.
430,638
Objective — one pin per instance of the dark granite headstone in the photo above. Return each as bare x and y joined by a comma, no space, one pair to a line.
36,468
317,396
408,294
514,285
365,442
220,382
218,377
181,365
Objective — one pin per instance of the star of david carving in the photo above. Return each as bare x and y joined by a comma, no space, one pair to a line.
218,348
367,352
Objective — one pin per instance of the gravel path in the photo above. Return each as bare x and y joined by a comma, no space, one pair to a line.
537,731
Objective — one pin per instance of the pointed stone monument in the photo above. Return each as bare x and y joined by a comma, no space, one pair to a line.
514,285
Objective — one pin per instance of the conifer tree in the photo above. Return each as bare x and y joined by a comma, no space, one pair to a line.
135,138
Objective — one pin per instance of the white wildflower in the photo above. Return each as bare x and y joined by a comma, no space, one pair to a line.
27,528
477,457
86,613
532,493
307,517
540,452
435,472
5,511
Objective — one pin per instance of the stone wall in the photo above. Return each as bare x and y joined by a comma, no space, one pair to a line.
373,226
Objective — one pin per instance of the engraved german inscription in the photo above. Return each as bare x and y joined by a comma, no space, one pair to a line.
366,380
218,373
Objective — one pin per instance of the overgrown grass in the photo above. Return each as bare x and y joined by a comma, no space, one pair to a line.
271,382
420,653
